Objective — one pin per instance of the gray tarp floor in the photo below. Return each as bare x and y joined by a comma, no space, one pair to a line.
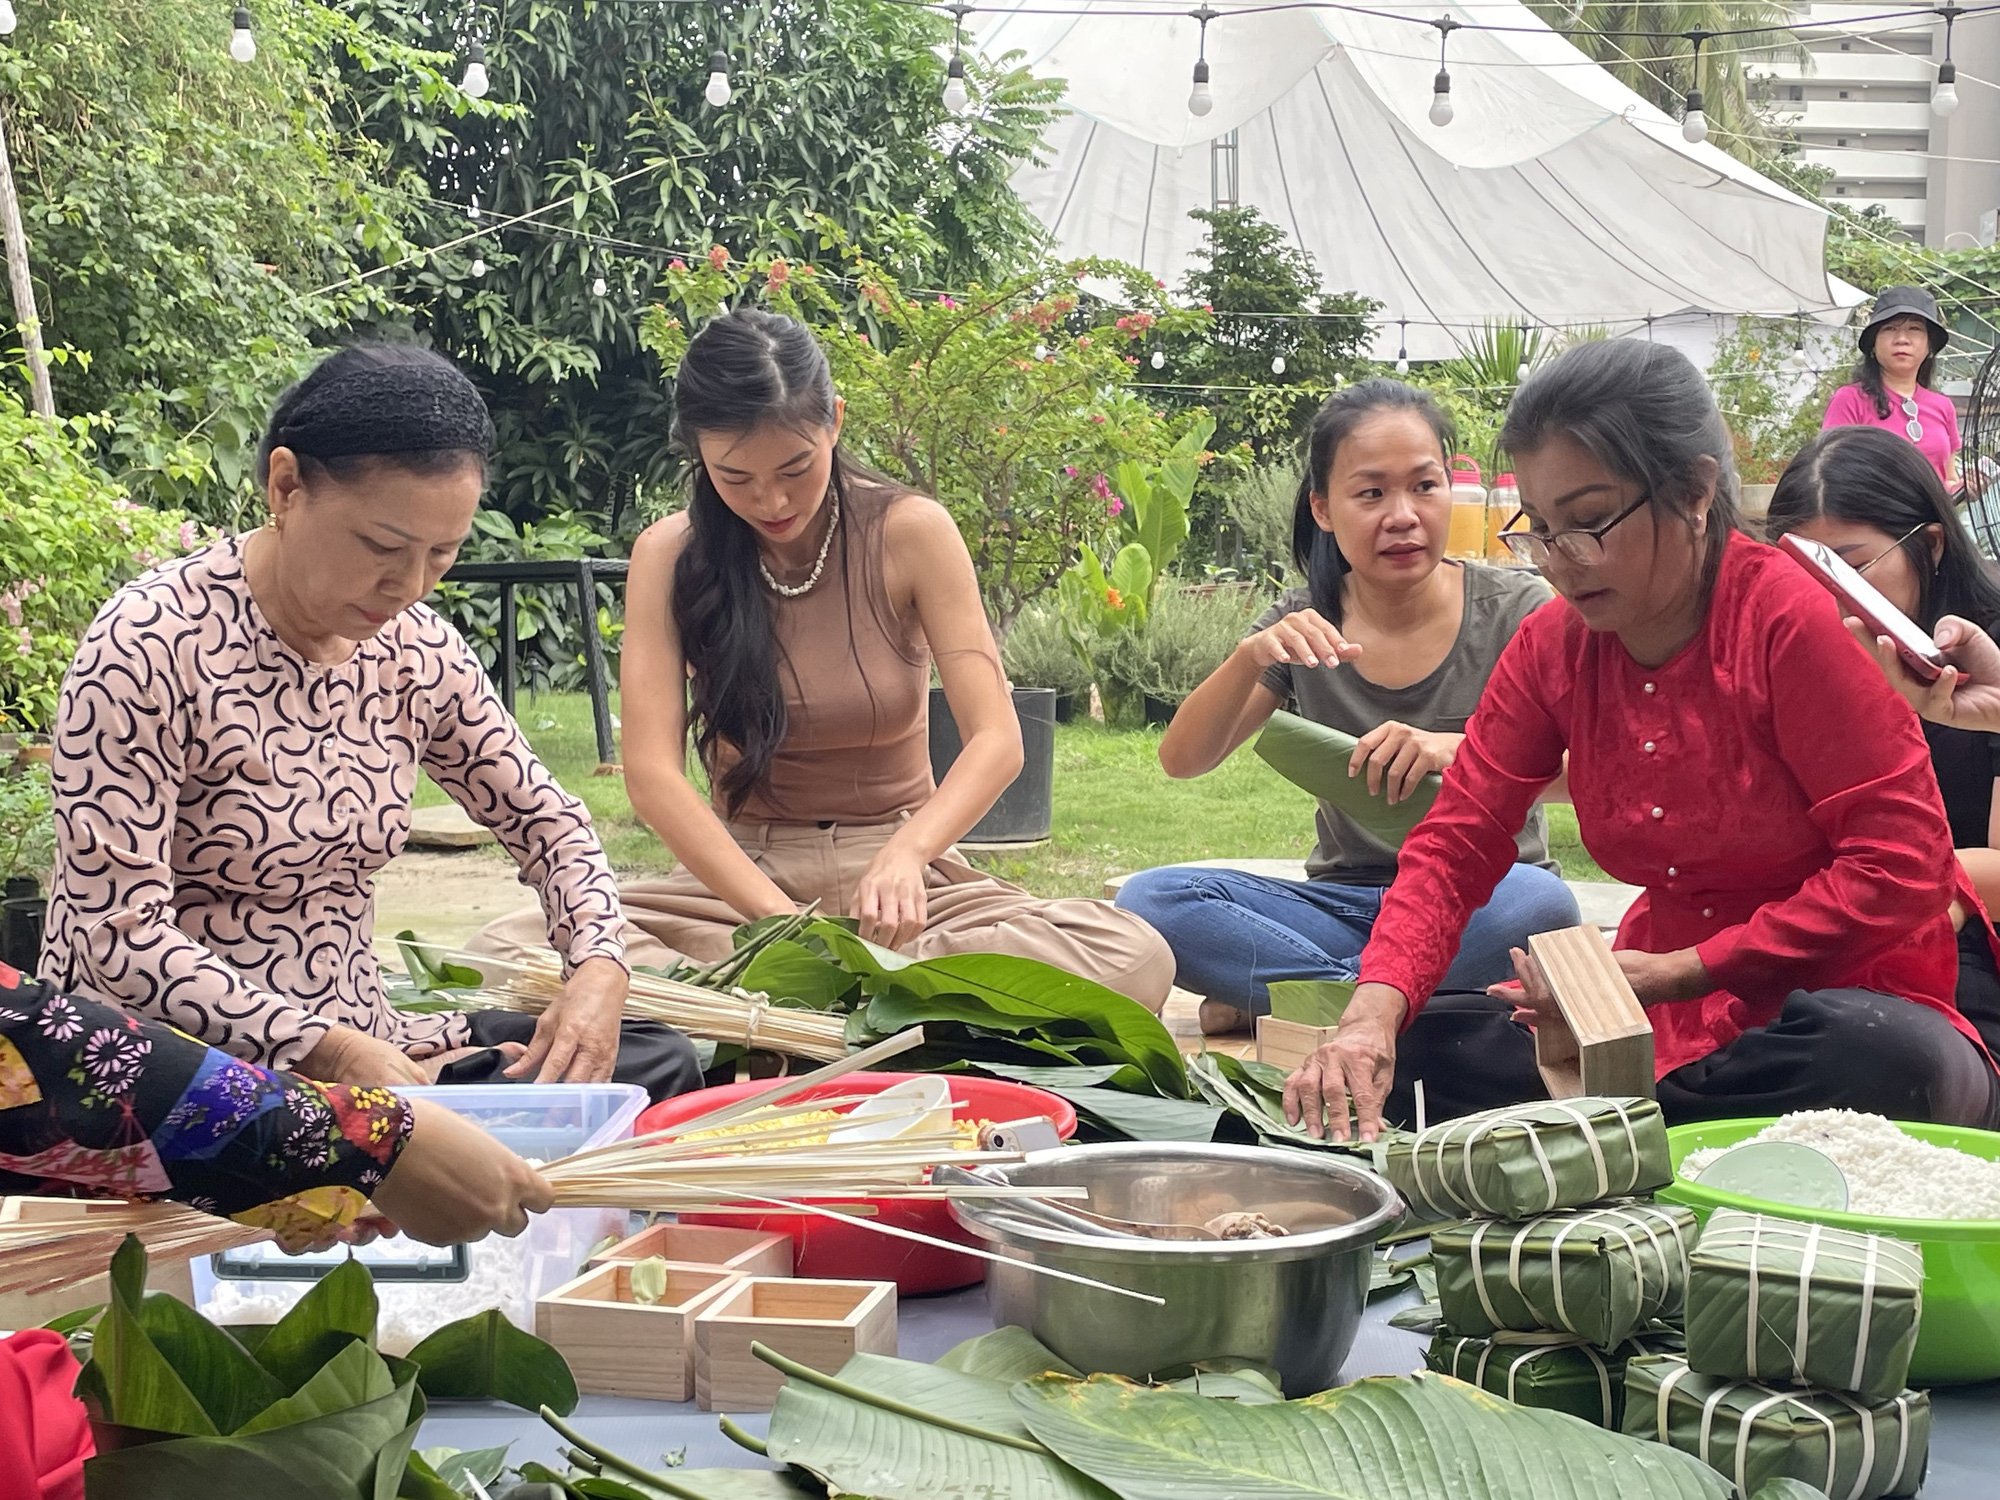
1965,1446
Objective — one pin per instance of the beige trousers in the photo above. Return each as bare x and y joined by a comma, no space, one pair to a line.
966,911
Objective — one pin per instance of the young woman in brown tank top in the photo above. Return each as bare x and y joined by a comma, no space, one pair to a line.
788,619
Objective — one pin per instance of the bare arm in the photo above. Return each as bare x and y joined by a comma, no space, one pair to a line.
653,694
1234,701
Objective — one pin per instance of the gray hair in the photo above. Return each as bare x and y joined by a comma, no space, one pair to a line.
1644,412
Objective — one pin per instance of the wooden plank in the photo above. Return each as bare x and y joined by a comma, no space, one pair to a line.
1602,1042
1287,1044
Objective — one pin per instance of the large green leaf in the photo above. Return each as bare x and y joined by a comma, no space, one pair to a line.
1007,1354
1142,1117
230,1385
688,1484
338,1456
1387,1438
338,1309
903,1431
1787,1489
429,970
130,1381
1314,758
793,973
486,1358
353,1377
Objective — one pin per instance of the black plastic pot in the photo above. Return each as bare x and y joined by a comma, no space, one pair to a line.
1025,812
1067,705
1159,712
21,932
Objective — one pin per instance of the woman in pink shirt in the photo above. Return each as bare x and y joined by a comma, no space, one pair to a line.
1892,388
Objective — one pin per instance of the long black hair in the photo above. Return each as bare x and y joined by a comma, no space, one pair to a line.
1869,477
1645,413
1315,551
1868,369
743,369
368,404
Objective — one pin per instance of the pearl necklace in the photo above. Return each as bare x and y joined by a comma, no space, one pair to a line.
795,590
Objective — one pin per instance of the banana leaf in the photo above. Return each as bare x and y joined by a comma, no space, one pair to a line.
1311,1002
1007,1354
486,1358
1534,1158
1315,758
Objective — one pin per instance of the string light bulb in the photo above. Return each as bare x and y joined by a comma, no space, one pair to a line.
242,42
1694,124
1277,364
1200,100
956,99
479,266
718,93
1159,358
1402,346
1944,98
598,287
1796,360
475,84
1521,370
1441,110
8,20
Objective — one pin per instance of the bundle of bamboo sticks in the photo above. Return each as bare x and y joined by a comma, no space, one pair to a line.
530,985
64,1244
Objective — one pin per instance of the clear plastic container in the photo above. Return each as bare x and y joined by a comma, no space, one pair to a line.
1467,537
420,1287
1503,503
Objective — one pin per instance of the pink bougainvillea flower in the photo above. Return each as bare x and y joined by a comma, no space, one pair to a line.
1099,418
27,643
779,274
10,606
1100,487
1115,508
718,257
945,300
1083,341
677,265
190,536
1069,471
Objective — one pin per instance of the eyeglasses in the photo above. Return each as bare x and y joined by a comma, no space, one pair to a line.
1583,548
1911,426
1893,546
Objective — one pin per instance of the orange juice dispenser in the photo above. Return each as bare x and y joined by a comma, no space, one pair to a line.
1467,537
1503,502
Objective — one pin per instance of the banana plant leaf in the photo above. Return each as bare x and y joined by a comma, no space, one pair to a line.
1255,1093
1007,1354
486,1358
688,1484
1311,1002
1385,1438
1314,758
338,1309
1118,1108
429,971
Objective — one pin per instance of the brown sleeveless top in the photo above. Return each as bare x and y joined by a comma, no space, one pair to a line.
856,678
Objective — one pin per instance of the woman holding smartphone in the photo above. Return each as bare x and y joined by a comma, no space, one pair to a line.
1873,500
1793,944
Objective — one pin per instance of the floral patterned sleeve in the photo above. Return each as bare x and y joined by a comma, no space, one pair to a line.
99,1103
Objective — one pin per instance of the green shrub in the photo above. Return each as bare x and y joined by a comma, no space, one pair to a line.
68,539
1037,653
1190,633
27,822
1261,505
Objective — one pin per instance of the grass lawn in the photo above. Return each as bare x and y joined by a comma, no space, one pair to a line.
1114,809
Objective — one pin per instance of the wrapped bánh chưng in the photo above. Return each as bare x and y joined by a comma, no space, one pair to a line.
1527,1159
1550,1371
1790,1303
1601,1273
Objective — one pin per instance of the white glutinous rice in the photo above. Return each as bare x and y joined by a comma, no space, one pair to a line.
1889,1174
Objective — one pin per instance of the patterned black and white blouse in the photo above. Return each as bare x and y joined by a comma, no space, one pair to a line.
223,804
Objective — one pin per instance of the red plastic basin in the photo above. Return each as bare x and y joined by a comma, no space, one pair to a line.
836,1251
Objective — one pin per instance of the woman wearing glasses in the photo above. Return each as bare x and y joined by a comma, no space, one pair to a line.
1387,642
1892,387
1867,495
1729,750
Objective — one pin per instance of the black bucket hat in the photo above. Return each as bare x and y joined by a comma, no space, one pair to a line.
1904,302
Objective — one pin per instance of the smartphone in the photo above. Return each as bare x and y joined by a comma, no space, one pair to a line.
1860,597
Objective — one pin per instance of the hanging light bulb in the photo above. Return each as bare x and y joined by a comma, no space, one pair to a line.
475,84
718,93
1402,361
1402,346
598,288
479,266
242,45
1277,364
1796,360
8,20
1944,98
956,99
1041,352
1694,124
1441,110
1200,100
1159,359
1521,370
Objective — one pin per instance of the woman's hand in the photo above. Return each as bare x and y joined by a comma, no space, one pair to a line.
576,1040
1966,694
1397,757
344,1055
453,1182
1358,1064
1303,638
890,901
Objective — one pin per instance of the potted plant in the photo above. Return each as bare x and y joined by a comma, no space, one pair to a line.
1190,632
27,851
1037,654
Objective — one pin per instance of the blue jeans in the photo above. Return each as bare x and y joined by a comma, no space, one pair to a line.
1233,934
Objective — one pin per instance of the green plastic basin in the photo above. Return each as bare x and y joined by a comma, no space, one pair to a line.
1958,1341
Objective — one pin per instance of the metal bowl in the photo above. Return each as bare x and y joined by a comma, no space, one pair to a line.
1292,1303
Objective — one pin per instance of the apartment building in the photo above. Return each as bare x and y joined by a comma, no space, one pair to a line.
1860,105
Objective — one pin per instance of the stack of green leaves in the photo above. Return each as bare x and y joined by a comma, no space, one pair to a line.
1001,1418
184,1410
1527,1159
1805,1304
1602,1274
1754,1434
1553,1371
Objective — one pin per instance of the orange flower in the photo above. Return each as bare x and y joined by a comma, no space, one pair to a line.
1115,599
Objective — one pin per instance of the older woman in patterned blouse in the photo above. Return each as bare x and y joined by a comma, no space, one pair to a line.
237,745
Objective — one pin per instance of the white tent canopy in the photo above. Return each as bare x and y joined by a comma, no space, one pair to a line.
1557,196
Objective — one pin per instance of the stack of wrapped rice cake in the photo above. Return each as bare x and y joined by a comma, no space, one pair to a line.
1558,1273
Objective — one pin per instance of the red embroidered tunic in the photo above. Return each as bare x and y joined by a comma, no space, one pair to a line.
1766,787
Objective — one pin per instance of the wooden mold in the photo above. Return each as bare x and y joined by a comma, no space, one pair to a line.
32,1309
1287,1044
618,1347
819,1323
1602,1043
747,1252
